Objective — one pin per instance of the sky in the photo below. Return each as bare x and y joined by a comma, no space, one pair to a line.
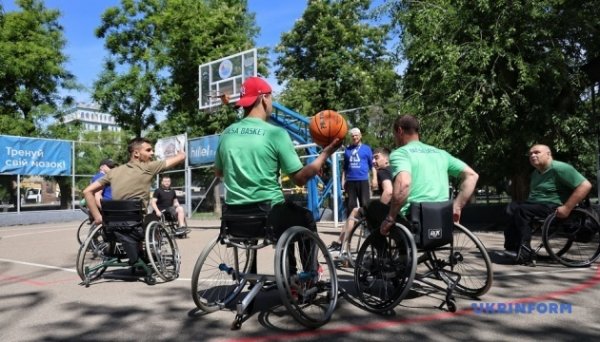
86,53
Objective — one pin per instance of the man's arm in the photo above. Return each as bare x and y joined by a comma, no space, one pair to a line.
98,198
153,202
400,192
386,192
308,171
374,178
89,195
174,160
467,186
577,196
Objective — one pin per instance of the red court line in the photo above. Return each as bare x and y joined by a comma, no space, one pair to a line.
27,281
17,279
591,282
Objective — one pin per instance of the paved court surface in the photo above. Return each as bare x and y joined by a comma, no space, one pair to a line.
41,299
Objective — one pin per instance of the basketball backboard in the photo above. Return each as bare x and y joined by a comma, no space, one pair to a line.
225,76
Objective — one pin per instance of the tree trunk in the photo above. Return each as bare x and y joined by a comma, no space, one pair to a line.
65,192
519,186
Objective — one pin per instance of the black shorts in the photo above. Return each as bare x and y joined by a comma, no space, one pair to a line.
357,190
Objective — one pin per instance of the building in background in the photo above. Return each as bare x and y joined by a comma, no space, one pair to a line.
91,118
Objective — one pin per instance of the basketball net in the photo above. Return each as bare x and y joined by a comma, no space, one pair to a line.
223,98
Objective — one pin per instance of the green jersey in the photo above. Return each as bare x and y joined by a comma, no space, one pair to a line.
429,168
251,154
555,184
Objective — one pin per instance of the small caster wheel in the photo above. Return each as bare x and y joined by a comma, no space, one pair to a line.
451,303
237,323
150,280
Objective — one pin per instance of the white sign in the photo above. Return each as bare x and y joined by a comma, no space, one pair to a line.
168,147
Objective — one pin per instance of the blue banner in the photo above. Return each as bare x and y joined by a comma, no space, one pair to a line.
202,151
30,156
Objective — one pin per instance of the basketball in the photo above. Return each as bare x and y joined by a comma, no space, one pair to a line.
327,125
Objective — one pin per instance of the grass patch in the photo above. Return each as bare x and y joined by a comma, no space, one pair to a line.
205,216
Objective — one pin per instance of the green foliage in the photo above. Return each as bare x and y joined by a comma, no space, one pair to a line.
31,65
489,78
335,58
156,47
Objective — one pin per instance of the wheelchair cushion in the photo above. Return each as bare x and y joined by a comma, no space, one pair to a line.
122,214
245,221
432,223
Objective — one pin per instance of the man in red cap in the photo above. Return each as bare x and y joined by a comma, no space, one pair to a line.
251,155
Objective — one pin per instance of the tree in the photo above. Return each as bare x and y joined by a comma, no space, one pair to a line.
334,58
90,149
156,47
31,66
491,77
200,32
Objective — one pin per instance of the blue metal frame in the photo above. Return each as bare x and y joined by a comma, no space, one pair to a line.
297,126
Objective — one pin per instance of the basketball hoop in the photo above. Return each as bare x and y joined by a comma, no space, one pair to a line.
220,80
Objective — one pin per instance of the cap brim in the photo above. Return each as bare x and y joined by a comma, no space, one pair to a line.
246,101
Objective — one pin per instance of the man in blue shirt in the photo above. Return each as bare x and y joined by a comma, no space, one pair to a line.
106,193
358,161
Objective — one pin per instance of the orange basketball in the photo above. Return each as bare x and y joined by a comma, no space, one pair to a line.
327,125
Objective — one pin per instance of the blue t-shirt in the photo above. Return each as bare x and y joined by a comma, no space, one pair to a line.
358,160
107,192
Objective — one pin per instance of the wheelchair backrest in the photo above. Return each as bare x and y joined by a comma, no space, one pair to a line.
432,223
122,213
246,221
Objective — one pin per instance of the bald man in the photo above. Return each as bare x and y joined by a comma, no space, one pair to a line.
554,187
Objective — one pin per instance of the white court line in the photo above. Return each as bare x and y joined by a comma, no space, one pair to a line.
37,265
496,276
36,232
72,270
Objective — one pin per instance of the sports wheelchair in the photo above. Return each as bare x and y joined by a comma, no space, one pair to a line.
85,228
304,271
170,222
118,243
573,241
452,259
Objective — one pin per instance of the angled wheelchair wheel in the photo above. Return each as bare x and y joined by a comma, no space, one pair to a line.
385,269
162,251
574,241
85,228
355,239
306,277
92,255
217,278
469,258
